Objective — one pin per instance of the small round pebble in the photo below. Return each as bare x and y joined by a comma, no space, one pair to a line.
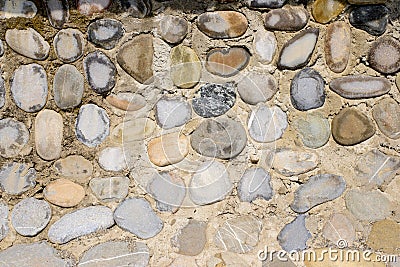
172,112
100,72
173,29
69,45
112,159
105,33
255,183
13,137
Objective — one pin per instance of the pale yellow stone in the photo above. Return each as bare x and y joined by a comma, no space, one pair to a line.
186,67
64,193
168,149
48,134
385,236
133,130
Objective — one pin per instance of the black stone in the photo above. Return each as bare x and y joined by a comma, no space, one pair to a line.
137,8
105,25
266,3
370,18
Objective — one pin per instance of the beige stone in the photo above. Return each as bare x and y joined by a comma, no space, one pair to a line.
186,67
126,101
337,46
168,149
64,193
338,228
48,134
398,81
384,236
227,62
222,24
133,130
74,167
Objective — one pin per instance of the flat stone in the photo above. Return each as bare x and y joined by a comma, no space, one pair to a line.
239,235
307,90
105,33
387,116
126,101
360,86
294,235
351,127
100,72
227,62
48,140
116,253
291,162
317,190
289,18
168,190
185,67
324,11
34,254
221,138
68,87
370,18
112,159
337,46
313,129
384,55
57,12
172,112
92,125
384,236
296,53
17,8
17,178
214,100
30,216
191,239
13,137
64,193
110,188
168,149
266,3
28,43
368,205
79,223
137,8
29,87
255,183
264,46
173,29
257,87
4,228
222,24
133,130
89,7
267,124
2,89
69,45
136,57
339,227
74,167
210,183
145,224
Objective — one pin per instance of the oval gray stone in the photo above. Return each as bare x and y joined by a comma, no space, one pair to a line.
110,188
360,86
68,87
257,87
318,189
13,137
307,90
105,33
387,116
255,183
80,222
290,162
57,12
29,87
191,239
74,167
28,43
92,125
4,228
314,129
16,178
144,224
289,18
294,235
48,140
172,112
69,45
30,216
173,29
100,72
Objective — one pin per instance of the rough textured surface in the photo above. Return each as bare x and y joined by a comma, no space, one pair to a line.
110,188
384,55
313,129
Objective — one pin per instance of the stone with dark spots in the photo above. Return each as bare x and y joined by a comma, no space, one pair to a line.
17,9
222,24
57,12
105,33
137,8
100,72
384,55
255,183
214,100
370,18
227,62
110,188
286,19
17,178
266,3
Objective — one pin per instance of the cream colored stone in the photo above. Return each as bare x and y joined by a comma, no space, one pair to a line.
48,134
168,149
64,193
133,130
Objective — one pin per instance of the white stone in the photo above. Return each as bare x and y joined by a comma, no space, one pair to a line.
92,125
17,8
264,44
48,134
172,112
112,159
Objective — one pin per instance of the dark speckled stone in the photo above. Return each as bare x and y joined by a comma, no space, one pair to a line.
370,18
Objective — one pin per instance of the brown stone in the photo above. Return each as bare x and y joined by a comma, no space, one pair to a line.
64,193
222,24
227,62
360,86
351,127
384,236
126,101
288,18
48,140
191,239
168,149
384,55
339,227
337,46
387,116
324,11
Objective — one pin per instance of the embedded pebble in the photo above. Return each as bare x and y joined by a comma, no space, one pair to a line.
296,53
264,45
30,216
57,12
371,18
337,46
2,90
214,100
210,183
369,206
136,57
88,7
239,235
69,45
222,24
13,137
105,33
112,159
110,188
137,8
294,235
116,253
289,18
173,29
68,87
185,67
145,224
339,227
28,43
168,190
191,239
48,140
384,236
317,190
17,178
227,62
360,86
100,72
313,129
266,3
172,112
4,228
351,127
386,114
74,167
64,193
291,162
17,8
307,90
257,87
133,130
126,101
324,11
168,149
29,87
267,124
384,55
222,138
255,183
92,125
79,223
